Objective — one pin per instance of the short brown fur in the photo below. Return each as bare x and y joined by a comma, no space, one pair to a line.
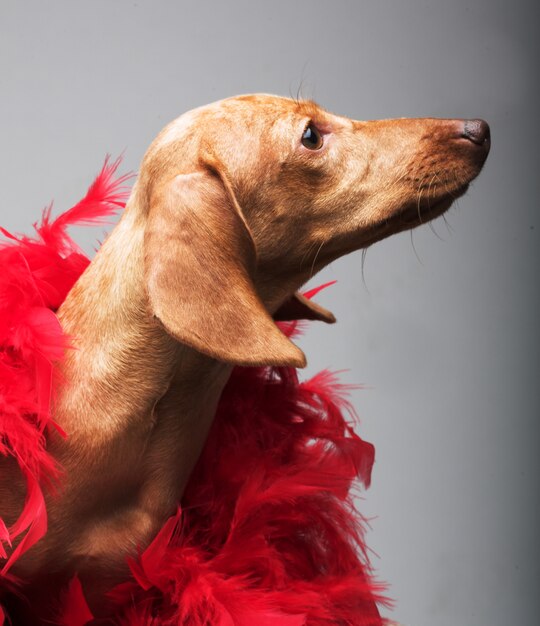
230,215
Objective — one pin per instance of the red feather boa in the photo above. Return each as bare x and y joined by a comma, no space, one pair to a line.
267,534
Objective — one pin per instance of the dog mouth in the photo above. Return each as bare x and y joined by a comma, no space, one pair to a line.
423,211
412,213
419,211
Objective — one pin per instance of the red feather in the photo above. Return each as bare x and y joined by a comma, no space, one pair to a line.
36,277
33,520
104,198
74,611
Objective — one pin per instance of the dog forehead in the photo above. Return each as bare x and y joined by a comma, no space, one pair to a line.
249,110
268,104
257,113
238,129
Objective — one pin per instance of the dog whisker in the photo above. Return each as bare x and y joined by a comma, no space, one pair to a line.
315,258
429,191
414,247
364,254
432,228
307,253
448,227
419,199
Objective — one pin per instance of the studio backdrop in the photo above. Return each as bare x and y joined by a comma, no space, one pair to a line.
438,327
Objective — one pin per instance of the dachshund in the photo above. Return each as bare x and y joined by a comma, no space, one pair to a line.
237,204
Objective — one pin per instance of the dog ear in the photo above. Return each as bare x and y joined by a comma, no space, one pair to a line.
298,307
199,262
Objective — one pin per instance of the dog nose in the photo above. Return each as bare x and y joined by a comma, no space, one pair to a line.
477,131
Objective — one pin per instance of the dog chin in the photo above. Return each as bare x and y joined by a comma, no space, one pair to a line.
411,215
415,214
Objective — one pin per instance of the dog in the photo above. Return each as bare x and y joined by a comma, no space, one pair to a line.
237,204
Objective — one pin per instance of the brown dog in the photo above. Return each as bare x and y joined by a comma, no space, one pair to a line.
237,204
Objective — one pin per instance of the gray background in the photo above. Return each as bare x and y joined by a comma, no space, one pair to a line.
445,339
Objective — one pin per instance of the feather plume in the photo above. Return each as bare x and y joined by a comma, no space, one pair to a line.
36,275
74,609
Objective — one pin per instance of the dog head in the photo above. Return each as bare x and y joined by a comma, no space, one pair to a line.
246,198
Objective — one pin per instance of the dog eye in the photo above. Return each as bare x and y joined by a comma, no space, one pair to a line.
312,138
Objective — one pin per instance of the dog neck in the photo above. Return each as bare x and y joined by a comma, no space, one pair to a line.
127,380
122,361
